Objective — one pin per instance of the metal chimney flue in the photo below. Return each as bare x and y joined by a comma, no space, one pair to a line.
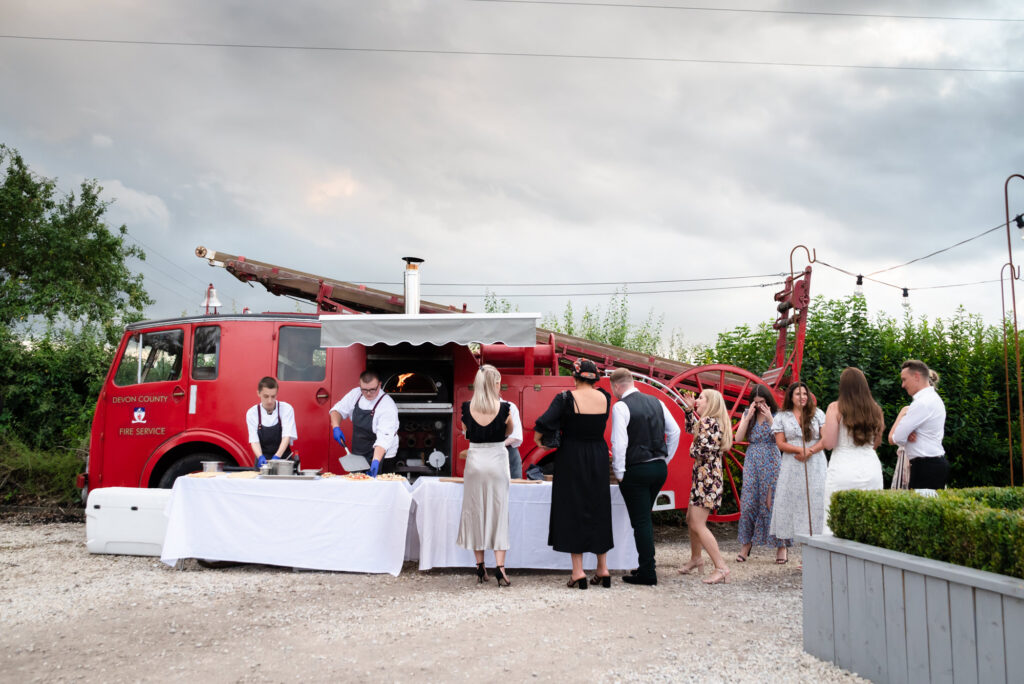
412,285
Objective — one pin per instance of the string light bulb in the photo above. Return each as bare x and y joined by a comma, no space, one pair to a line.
906,298
1019,220
858,289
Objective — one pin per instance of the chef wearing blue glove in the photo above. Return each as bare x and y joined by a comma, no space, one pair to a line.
271,424
375,423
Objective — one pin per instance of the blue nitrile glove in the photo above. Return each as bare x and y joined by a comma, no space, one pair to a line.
261,461
275,457
339,437
374,467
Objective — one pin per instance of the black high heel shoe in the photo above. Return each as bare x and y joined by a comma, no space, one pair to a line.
481,574
602,581
581,583
501,576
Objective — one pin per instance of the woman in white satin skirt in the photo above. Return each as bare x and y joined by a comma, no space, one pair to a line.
486,421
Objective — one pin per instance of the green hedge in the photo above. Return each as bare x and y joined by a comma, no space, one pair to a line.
980,528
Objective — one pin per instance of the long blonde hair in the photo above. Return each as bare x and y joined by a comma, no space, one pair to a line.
715,408
485,390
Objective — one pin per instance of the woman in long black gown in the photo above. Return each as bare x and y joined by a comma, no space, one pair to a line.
581,505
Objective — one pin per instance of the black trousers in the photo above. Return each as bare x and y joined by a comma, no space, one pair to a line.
929,473
639,487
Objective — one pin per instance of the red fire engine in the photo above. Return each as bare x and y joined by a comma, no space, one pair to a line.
177,390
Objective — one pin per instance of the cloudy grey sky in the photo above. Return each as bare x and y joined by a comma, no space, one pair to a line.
519,168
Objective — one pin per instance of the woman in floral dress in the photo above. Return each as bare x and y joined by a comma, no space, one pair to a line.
760,471
797,429
712,435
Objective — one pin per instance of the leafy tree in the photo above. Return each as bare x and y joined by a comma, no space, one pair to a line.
614,326
60,264
962,349
492,304
58,259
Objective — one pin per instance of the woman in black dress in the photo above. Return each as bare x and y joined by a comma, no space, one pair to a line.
581,504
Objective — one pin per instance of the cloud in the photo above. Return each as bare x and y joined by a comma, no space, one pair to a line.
139,210
501,169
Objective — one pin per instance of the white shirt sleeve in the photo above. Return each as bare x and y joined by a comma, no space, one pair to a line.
385,426
620,419
288,421
251,423
347,404
915,416
515,439
672,433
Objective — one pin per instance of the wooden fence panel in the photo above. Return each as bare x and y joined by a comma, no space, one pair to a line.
961,631
917,628
818,640
940,648
895,625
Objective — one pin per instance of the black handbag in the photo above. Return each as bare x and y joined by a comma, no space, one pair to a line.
553,440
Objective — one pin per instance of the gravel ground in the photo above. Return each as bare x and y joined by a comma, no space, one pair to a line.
68,615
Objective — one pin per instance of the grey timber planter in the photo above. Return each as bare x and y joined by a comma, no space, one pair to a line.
893,617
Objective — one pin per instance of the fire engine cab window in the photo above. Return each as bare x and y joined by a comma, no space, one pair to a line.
205,352
151,357
300,356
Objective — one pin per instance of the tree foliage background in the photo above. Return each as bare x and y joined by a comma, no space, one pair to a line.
967,354
66,292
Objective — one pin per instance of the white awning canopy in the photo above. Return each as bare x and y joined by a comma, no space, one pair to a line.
513,329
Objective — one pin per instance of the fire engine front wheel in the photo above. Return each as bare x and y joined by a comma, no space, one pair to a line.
185,465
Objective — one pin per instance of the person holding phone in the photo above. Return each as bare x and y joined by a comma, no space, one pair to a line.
760,473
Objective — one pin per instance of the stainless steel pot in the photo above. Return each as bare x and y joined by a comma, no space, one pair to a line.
213,466
282,466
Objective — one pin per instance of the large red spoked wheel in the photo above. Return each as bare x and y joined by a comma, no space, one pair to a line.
735,384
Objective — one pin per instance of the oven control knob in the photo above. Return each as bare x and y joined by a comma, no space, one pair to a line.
436,459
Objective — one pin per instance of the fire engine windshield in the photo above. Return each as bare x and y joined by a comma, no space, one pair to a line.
151,357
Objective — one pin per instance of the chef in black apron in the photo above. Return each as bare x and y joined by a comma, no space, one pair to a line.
375,423
271,424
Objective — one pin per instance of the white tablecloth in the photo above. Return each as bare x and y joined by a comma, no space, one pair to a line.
439,507
328,524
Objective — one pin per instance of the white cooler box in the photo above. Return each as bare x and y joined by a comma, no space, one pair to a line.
126,520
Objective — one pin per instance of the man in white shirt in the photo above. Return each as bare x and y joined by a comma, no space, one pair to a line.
644,440
921,429
514,441
374,423
271,424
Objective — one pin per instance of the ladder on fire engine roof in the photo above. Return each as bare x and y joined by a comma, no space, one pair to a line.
336,296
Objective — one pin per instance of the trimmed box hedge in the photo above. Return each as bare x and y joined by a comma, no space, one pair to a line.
981,528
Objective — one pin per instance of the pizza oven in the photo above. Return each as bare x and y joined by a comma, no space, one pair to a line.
422,389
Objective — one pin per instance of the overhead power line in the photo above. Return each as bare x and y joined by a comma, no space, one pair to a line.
534,55
606,294
579,284
155,252
692,8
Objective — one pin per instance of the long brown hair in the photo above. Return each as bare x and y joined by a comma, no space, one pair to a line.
861,413
806,416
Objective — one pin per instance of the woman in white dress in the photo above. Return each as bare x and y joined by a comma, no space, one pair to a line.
853,430
797,429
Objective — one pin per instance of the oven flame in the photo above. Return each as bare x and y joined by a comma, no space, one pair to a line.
402,378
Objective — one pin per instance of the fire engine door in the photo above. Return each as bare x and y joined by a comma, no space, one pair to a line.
146,404
302,369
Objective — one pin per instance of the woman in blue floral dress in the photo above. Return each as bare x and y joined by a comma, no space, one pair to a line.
760,471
